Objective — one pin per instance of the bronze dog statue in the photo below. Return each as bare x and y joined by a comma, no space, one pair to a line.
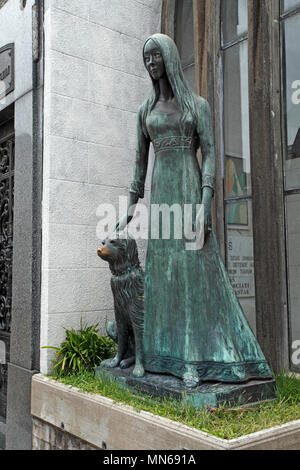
127,284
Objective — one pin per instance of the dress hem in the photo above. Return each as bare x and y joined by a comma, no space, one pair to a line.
235,372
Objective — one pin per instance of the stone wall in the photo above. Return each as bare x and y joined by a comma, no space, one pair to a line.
94,83
45,436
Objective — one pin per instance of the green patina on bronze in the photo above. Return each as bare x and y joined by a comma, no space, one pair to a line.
194,326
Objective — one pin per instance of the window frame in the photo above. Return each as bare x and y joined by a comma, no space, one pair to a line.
286,192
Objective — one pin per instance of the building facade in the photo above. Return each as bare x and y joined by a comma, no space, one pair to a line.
71,81
21,89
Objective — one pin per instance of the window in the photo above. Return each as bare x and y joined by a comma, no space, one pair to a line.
234,18
290,4
290,27
184,38
236,154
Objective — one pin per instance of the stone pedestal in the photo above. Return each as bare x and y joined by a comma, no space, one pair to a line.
206,394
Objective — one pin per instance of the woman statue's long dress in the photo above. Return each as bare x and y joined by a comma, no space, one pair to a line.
194,326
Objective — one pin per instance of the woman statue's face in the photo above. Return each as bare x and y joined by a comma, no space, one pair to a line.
154,60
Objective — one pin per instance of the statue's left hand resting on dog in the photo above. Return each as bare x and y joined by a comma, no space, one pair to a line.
127,283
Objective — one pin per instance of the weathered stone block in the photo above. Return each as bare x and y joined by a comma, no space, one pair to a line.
134,91
104,46
67,246
63,29
69,203
69,76
103,125
110,165
135,19
129,129
68,159
93,243
81,290
75,7
114,88
105,85
77,203
68,117
132,56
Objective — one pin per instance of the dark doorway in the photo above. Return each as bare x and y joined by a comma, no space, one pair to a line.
7,153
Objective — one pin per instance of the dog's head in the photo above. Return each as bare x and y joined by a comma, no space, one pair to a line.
118,249
112,249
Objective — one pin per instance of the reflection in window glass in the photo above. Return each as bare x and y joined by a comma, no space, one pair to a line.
290,4
293,242
292,87
237,214
292,38
184,31
291,73
236,163
239,255
189,74
236,121
184,38
2,352
234,19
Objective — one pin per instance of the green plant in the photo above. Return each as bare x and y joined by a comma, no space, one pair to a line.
82,350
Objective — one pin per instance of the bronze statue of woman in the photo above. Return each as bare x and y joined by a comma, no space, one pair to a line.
194,326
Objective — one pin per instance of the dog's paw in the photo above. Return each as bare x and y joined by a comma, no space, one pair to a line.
138,371
127,362
110,363
190,377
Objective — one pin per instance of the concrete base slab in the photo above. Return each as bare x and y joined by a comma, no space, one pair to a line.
212,394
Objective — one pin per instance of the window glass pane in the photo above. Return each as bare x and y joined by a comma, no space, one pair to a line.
234,19
237,214
236,121
189,74
184,32
291,33
293,245
290,4
239,255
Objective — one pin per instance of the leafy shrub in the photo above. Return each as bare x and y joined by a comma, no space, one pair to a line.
82,350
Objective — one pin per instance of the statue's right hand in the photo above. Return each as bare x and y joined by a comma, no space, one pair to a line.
122,223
